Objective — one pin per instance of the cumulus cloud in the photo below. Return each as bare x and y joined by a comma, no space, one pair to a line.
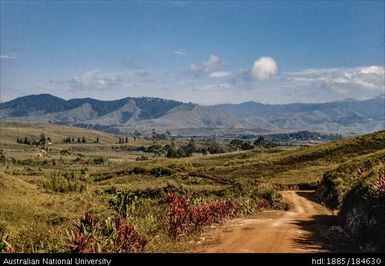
264,68
91,80
220,74
9,56
208,66
180,52
211,63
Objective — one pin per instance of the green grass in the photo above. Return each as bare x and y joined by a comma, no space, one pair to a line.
44,193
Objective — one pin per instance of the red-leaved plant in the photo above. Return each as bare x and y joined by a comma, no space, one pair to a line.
181,218
379,186
128,238
89,236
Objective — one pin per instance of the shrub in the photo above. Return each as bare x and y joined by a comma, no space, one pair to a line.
181,218
177,219
242,188
379,186
25,162
141,157
138,170
99,160
215,148
114,235
2,157
124,203
160,171
64,185
128,238
268,193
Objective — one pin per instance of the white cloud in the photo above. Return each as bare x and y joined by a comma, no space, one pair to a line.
208,66
180,52
264,68
369,78
91,80
10,56
195,68
373,70
220,74
211,63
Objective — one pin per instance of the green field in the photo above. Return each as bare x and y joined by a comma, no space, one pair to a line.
45,189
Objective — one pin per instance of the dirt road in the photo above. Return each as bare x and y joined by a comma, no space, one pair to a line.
294,231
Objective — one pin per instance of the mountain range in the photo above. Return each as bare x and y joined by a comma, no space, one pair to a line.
142,114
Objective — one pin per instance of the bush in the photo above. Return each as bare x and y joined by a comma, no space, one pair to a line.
124,203
215,148
114,235
362,216
25,162
181,218
160,171
138,170
2,157
242,188
379,186
99,160
64,185
142,158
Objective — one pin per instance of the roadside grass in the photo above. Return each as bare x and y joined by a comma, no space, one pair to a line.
43,194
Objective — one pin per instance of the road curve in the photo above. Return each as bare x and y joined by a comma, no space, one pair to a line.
271,231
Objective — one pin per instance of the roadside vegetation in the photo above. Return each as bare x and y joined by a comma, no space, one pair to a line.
115,193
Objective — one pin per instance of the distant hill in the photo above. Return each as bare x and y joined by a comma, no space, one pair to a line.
373,108
129,114
349,116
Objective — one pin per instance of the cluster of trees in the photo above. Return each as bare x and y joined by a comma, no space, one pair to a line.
173,151
123,140
78,140
241,144
42,140
302,136
183,151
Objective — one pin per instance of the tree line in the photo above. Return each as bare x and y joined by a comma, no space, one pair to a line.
69,140
41,140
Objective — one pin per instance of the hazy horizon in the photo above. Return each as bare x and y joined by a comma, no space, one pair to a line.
202,52
170,99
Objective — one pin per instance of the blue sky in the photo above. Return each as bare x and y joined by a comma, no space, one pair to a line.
203,52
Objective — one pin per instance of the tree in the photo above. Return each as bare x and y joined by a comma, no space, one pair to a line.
97,139
43,139
73,139
84,140
126,140
189,149
259,141
2,157
153,133
247,146
79,140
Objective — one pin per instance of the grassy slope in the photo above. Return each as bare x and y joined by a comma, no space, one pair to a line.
29,209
